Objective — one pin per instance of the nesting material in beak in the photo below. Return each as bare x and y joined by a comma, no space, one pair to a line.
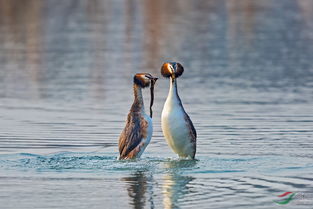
153,80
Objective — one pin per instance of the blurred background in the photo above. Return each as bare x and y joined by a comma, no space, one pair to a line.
66,70
75,49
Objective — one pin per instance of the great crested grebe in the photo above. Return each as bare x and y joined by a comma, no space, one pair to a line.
177,127
138,130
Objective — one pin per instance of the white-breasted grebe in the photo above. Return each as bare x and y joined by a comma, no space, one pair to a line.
177,127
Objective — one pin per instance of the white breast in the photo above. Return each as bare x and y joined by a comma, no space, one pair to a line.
147,140
174,126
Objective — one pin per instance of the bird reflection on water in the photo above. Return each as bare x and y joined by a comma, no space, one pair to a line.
176,186
142,188
137,187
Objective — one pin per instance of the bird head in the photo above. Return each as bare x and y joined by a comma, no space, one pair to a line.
144,79
172,69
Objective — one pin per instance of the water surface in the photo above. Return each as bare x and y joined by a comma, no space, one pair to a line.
66,87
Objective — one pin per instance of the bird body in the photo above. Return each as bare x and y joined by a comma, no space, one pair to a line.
138,129
177,127
147,129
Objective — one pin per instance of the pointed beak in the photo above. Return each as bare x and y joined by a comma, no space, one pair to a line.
171,69
154,79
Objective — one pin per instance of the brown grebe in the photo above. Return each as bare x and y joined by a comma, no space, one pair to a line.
138,130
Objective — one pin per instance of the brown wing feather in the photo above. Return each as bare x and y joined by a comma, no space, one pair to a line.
192,132
132,135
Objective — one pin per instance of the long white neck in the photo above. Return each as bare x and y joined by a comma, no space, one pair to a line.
173,98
